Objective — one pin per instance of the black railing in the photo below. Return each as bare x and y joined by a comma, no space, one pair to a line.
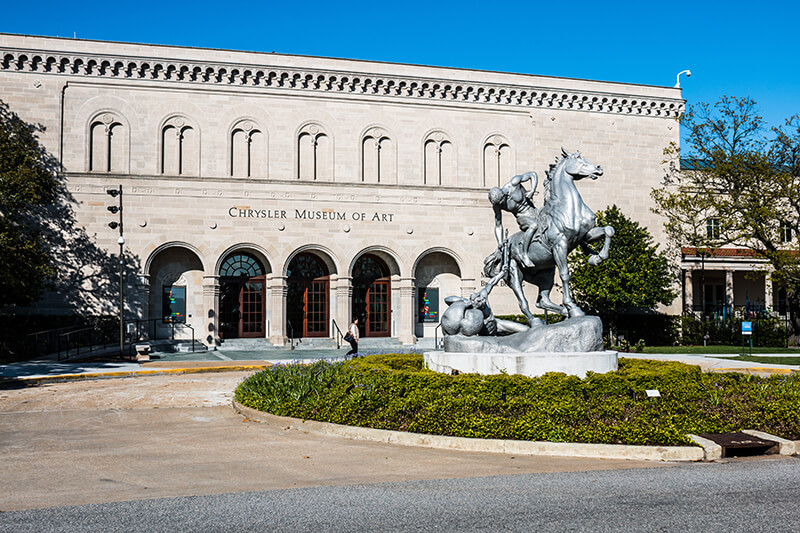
74,343
290,331
46,341
338,335
436,336
83,340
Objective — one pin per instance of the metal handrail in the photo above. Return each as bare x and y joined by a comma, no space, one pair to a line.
184,324
290,330
339,336
68,338
436,336
51,340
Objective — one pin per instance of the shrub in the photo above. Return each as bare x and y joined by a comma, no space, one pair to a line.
393,391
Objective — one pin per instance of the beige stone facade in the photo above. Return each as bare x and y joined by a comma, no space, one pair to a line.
347,185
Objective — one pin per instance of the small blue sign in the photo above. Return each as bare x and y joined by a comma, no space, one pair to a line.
747,328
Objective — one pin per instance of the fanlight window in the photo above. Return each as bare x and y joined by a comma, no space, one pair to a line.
240,265
305,266
369,267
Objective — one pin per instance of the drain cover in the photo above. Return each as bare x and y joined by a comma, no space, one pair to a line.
740,444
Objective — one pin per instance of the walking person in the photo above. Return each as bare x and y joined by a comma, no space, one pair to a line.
352,337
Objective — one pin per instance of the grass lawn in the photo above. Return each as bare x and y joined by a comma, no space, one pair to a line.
715,349
767,360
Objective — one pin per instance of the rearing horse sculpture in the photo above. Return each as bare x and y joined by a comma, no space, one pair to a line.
565,222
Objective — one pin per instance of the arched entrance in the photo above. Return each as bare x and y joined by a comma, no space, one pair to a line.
307,298
372,296
437,275
241,297
176,289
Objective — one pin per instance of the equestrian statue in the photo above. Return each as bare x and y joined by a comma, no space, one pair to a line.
563,223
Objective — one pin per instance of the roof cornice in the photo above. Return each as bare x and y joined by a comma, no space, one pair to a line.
379,85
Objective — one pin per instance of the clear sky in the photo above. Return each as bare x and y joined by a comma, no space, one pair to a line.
733,48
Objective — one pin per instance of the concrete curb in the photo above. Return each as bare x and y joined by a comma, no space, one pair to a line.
38,380
711,450
784,447
755,370
562,449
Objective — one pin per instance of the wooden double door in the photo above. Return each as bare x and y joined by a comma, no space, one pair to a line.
242,310
372,297
242,301
308,297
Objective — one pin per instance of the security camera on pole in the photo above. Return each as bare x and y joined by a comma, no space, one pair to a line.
121,241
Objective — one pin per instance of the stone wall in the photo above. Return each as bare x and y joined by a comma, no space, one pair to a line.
219,151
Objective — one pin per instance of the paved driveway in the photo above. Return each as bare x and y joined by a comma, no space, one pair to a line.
176,435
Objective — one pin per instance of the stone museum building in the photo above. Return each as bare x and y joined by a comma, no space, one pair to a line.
273,196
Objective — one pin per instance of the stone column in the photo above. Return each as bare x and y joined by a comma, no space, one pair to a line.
405,326
729,287
143,287
344,303
210,335
688,290
278,289
768,298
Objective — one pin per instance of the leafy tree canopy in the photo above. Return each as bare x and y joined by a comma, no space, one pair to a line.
42,247
636,274
28,183
742,176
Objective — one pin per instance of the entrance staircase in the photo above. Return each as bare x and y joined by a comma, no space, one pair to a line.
314,343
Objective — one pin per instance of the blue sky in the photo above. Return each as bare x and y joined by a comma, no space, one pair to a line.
732,48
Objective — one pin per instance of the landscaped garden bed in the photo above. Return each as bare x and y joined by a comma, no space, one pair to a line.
393,391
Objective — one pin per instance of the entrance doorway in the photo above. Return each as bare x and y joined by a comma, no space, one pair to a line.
372,296
307,298
241,298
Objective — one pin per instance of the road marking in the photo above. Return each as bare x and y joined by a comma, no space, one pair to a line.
221,356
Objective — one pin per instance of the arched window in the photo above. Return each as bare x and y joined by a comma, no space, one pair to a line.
108,144
240,265
180,148
307,297
372,296
248,150
497,164
378,157
439,160
242,297
314,154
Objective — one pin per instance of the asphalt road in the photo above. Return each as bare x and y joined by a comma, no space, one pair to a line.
741,495
167,453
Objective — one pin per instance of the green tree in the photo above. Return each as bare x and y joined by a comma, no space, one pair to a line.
636,274
743,176
28,183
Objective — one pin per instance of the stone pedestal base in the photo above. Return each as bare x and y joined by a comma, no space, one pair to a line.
526,364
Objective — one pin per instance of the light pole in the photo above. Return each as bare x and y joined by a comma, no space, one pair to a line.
678,77
121,241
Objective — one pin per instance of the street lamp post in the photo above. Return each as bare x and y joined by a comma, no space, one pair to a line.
121,241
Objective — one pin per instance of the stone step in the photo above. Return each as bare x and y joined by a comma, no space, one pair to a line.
247,344
312,343
186,347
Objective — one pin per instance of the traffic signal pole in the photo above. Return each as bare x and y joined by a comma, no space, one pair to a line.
121,242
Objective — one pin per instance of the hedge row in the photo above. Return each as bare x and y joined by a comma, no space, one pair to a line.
393,391
667,330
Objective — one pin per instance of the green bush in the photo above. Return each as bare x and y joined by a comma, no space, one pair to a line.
393,391
552,318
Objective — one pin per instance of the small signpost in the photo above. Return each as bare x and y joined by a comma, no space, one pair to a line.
747,336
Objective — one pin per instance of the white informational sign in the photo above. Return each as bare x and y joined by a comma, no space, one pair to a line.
653,393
